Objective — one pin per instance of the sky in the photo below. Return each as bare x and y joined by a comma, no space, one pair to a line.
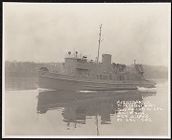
46,32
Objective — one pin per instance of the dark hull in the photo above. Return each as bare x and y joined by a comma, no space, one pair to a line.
58,82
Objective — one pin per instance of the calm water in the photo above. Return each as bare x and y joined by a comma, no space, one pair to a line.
138,113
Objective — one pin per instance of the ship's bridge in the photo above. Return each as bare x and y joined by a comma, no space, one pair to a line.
75,64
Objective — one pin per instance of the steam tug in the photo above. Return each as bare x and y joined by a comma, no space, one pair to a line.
81,74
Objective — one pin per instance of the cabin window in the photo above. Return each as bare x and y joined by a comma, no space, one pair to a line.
121,77
100,76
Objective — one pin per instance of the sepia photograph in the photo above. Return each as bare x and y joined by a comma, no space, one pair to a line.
86,70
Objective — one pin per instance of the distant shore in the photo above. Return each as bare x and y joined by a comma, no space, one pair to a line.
24,75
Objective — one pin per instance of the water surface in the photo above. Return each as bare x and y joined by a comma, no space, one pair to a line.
126,113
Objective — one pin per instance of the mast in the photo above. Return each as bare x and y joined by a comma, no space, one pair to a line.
99,43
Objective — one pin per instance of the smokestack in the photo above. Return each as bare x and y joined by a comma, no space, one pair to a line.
106,59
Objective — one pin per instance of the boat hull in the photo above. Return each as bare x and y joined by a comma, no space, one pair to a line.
57,82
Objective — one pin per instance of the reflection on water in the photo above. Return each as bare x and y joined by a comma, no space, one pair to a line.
79,106
116,113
